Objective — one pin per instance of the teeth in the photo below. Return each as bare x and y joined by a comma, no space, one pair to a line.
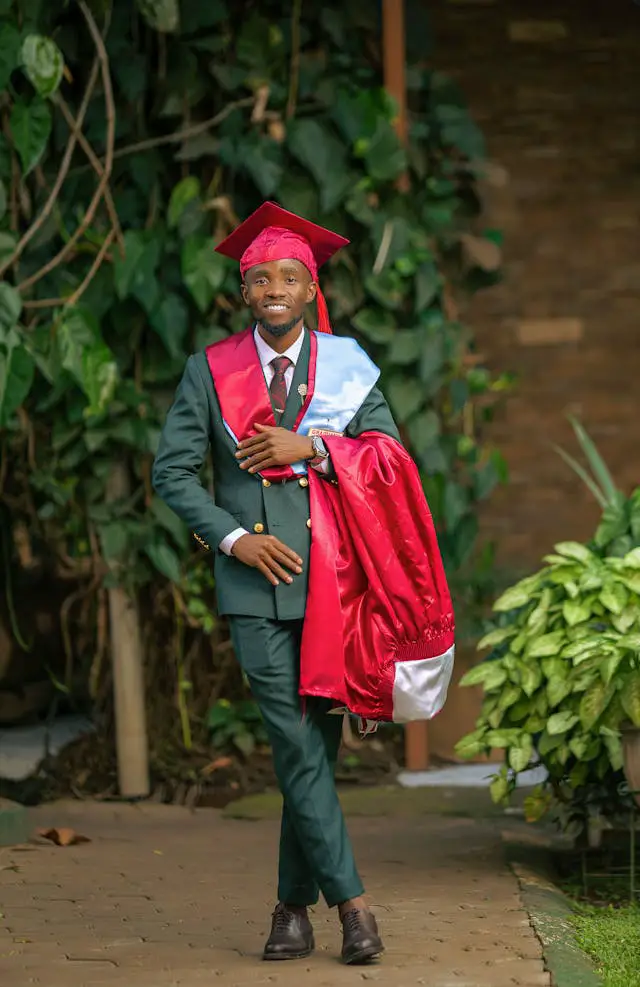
277,308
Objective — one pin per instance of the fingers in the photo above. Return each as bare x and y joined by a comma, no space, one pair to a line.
248,446
288,553
267,573
259,461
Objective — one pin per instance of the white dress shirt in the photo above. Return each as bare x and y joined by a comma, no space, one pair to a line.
266,355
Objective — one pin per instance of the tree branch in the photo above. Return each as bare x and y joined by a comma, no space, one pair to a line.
108,162
97,166
294,78
62,174
180,135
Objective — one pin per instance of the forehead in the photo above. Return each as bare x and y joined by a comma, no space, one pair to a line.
275,268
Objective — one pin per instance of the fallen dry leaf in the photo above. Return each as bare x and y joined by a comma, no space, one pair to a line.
62,836
217,765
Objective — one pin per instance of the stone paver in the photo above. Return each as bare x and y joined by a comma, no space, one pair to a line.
165,898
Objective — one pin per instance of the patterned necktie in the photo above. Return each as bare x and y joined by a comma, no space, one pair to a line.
278,386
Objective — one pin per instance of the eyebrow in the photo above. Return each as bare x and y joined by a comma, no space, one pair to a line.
263,273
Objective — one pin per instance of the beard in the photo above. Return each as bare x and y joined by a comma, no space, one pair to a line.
279,330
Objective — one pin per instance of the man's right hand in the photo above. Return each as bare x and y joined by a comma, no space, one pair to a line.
269,555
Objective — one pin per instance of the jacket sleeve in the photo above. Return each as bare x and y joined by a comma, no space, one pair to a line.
373,416
184,444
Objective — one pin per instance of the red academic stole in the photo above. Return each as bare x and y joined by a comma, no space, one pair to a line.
242,391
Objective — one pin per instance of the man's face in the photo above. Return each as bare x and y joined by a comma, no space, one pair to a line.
277,294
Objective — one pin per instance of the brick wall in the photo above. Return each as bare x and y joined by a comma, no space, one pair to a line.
555,87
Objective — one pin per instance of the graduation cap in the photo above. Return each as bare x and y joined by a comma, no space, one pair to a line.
272,233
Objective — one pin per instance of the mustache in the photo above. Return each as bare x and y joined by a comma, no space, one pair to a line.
279,330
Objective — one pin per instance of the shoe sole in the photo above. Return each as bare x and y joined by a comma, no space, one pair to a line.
287,956
364,956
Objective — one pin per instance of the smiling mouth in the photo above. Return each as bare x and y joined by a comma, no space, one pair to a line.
276,308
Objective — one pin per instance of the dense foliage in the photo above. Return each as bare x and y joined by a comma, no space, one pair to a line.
563,673
134,135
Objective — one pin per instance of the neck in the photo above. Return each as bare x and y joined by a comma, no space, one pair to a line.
282,343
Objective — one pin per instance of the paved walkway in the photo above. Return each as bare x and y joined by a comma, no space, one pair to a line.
161,898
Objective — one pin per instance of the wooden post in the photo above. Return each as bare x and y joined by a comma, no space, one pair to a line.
416,745
128,678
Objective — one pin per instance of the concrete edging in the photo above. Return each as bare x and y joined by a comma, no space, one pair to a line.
14,826
550,912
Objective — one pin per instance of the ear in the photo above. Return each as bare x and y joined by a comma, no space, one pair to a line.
312,291
245,293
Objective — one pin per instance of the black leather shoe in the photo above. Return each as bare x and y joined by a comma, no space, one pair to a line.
361,941
291,935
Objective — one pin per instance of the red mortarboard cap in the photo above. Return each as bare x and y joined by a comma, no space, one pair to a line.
323,243
272,233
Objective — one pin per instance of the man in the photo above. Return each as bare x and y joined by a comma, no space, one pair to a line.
265,401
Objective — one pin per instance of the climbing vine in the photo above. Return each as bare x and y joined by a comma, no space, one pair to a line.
133,137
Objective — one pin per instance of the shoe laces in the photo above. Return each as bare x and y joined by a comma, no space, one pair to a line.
352,921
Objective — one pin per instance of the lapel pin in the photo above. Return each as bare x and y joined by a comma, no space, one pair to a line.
302,390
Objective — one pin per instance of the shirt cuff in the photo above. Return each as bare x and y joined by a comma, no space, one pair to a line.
226,545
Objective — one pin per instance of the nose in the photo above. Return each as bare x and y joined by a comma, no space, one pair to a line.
274,290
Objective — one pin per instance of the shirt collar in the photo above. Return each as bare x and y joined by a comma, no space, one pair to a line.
267,354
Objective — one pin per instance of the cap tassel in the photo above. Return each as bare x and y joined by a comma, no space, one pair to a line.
324,325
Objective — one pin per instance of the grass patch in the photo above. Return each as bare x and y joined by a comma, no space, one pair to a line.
611,936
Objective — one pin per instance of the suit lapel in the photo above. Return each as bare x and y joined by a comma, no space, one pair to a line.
300,376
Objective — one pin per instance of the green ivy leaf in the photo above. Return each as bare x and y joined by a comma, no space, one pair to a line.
203,270
428,282
9,51
31,128
43,64
424,430
385,158
244,741
609,666
88,359
165,560
10,307
17,370
171,321
321,153
161,15
375,324
561,723
171,523
509,696
631,699
593,704
405,347
405,397
184,193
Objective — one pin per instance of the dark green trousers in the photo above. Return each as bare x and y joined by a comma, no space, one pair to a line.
315,850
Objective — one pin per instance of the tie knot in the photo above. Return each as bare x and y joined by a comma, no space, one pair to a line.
280,365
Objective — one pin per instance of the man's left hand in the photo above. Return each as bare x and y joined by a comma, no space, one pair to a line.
273,446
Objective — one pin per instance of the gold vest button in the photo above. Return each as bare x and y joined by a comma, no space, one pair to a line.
266,483
303,482
258,528
309,523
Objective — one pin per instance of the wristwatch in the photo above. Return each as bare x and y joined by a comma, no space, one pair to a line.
320,451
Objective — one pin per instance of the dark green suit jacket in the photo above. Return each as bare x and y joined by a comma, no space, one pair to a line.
193,426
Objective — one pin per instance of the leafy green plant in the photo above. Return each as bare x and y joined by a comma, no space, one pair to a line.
563,678
236,725
133,136
619,528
